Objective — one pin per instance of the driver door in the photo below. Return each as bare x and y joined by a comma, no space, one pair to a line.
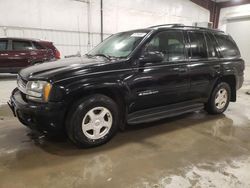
162,82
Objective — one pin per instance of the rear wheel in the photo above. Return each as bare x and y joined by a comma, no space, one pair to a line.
219,99
92,121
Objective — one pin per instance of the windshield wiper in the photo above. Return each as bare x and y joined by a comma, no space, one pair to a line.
103,55
89,55
109,57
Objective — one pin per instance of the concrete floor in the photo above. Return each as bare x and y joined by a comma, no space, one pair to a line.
192,150
7,84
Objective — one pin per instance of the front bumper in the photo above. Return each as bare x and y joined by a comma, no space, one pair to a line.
45,118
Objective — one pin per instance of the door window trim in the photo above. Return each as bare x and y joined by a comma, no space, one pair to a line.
189,44
185,53
21,41
209,35
219,46
7,44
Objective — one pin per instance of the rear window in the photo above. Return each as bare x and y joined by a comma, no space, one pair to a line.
38,46
21,45
47,45
3,45
228,47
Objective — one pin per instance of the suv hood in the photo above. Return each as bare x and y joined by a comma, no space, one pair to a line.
62,68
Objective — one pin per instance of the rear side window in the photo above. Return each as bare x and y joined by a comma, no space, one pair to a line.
228,47
170,43
38,46
211,46
21,45
3,45
198,46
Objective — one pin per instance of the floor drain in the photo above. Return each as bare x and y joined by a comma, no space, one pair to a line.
248,92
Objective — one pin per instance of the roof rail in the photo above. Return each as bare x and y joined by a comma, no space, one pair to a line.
184,26
168,25
206,28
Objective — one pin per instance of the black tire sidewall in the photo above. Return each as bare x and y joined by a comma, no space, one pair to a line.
81,109
213,109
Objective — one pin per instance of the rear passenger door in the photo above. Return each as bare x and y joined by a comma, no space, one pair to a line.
21,53
204,66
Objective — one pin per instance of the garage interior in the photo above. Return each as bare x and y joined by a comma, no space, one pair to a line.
191,150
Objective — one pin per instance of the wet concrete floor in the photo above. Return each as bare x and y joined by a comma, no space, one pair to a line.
192,150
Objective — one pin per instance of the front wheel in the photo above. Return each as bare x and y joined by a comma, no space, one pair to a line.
92,121
219,99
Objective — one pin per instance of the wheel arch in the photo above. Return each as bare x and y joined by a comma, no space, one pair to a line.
116,92
231,81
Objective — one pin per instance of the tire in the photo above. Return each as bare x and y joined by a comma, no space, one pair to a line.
219,99
92,121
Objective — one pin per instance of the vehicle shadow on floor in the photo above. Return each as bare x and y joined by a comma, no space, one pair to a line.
133,134
7,77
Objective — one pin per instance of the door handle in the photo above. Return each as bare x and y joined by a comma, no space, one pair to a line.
178,69
182,69
33,53
216,66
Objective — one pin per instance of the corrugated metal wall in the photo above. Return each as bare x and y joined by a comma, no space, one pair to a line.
74,25
67,42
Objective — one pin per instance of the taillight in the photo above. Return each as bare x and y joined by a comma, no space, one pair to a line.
57,54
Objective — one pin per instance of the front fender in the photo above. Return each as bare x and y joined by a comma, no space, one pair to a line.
81,89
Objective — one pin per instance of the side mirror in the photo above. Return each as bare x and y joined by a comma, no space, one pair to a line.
148,57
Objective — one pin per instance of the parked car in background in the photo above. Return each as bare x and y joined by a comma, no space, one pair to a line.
17,53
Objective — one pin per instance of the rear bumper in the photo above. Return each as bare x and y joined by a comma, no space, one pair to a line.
240,81
46,118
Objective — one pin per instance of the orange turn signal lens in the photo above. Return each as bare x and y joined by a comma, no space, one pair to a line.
46,92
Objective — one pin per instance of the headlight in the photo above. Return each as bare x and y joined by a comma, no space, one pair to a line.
38,90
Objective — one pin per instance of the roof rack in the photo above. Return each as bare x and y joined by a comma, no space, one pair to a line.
206,28
183,26
167,25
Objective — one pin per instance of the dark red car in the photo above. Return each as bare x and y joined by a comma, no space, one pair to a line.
17,53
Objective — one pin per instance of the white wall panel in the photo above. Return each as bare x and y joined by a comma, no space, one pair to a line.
46,14
65,22
241,36
232,13
68,42
132,14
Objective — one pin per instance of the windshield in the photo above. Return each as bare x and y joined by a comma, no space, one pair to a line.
119,45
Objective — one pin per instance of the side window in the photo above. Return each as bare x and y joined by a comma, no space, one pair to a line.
228,47
197,45
3,45
21,45
211,46
37,46
170,44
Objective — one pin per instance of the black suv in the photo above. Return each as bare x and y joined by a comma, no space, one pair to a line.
132,77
